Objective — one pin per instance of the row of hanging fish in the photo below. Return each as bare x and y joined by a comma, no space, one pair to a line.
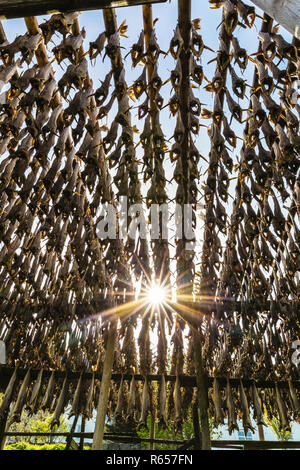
236,406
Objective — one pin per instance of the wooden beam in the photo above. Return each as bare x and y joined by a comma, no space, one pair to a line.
251,445
71,433
21,8
152,430
185,380
196,425
286,13
105,387
3,428
202,387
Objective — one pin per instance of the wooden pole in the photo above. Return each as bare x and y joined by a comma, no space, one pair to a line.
148,28
21,8
81,443
261,432
152,429
198,443
105,386
3,426
184,21
202,388
33,28
70,436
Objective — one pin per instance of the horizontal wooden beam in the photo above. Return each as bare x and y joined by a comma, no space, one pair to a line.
215,443
22,8
286,13
185,380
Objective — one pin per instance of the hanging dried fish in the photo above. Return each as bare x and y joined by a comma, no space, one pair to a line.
216,396
240,55
140,84
137,50
32,405
6,400
230,17
131,406
162,415
231,414
234,107
120,403
245,410
89,404
15,415
48,397
178,419
75,409
145,406
96,47
176,75
238,84
176,43
102,92
295,401
247,13
285,426
60,404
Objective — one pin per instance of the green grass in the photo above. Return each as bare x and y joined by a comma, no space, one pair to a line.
28,446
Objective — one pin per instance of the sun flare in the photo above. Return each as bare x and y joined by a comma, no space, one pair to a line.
156,294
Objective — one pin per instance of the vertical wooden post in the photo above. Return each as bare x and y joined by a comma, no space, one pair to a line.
261,432
184,21
148,28
72,430
81,443
33,28
198,443
202,392
105,386
3,425
152,429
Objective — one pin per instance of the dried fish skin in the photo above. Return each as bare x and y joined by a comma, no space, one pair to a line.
216,397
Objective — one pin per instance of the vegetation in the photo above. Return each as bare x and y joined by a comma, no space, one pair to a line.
186,434
39,422
28,446
275,425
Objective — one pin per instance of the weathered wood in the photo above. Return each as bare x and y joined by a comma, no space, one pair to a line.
152,430
185,380
33,28
286,13
105,386
221,444
22,8
81,443
197,440
202,387
3,425
261,432
148,28
71,434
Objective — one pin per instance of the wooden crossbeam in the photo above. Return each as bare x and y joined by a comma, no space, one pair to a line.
185,380
287,14
22,8
249,445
